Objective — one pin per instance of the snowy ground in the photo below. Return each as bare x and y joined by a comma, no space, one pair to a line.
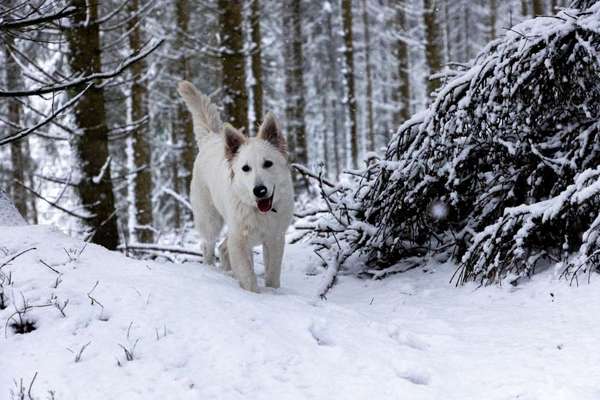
199,336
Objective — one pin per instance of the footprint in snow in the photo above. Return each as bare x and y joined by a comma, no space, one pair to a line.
416,377
318,330
408,339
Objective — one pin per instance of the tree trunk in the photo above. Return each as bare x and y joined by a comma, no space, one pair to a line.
142,181
524,8
432,45
493,18
370,131
294,86
257,95
235,98
182,127
95,186
538,8
332,71
17,158
403,92
348,74
447,31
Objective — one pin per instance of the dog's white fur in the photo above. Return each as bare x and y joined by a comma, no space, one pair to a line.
222,192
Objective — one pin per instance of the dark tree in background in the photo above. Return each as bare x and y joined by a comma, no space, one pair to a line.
348,74
95,185
235,96
257,68
182,130
140,141
17,155
433,46
294,84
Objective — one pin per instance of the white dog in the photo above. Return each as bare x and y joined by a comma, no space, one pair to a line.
244,183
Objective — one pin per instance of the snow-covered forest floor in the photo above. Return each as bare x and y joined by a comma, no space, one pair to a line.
192,333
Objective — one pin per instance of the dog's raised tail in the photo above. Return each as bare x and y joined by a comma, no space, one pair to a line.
204,113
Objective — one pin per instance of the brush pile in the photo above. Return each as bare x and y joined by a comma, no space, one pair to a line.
501,173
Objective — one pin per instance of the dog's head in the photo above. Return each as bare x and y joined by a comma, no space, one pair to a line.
258,165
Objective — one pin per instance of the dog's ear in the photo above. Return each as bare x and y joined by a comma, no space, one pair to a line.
271,132
233,140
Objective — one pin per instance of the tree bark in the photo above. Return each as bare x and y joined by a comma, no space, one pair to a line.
332,71
493,18
432,45
367,37
538,8
295,102
524,8
182,128
17,158
235,97
257,93
142,181
95,186
348,75
403,92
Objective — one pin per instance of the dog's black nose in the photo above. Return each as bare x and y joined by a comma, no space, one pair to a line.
260,191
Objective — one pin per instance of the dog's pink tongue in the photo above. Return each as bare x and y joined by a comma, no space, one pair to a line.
264,205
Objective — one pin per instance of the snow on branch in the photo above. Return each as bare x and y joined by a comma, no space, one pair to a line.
499,174
126,63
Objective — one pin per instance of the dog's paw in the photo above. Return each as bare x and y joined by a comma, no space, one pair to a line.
249,286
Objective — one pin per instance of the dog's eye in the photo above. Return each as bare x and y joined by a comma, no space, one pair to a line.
246,168
268,164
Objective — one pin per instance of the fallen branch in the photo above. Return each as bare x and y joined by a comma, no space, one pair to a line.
156,247
15,256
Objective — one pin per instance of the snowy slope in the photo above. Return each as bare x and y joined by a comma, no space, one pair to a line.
199,336
9,215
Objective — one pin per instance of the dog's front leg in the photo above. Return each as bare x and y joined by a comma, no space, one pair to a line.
240,256
273,256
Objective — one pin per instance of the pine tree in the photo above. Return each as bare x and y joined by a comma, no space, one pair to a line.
142,181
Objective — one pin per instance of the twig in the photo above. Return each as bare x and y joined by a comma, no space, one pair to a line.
47,265
155,247
92,299
306,172
15,256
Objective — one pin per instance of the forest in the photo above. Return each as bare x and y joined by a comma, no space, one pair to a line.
342,77
442,163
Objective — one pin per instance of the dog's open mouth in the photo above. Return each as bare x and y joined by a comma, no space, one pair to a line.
264,205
